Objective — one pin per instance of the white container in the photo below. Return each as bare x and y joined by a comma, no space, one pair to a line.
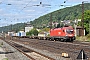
23,33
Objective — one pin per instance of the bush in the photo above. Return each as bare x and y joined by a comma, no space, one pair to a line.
88,37
83,38
32,32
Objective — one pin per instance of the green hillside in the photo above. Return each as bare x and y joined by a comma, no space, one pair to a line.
68,13
16,27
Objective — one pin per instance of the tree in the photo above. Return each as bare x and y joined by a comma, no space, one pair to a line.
45,29
32,32
86,20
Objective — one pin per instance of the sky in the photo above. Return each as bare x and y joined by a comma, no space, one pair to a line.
20,11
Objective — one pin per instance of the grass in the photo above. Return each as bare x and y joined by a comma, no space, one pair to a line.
83,38
1,44
88,40
88,37
5,59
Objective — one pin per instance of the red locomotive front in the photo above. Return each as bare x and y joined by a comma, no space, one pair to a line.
63,34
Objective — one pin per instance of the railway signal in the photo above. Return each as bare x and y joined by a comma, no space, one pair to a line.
82,55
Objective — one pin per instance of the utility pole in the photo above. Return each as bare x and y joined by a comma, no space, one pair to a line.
82,21
11,27
24,26
50,21
89,27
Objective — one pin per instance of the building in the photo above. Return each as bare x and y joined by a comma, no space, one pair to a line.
80,31
28,27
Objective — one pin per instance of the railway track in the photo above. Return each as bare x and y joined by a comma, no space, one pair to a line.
58,47
33,55
73,49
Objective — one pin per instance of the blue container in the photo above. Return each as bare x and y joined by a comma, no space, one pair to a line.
19,34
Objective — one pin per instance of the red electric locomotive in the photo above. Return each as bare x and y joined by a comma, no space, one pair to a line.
63,34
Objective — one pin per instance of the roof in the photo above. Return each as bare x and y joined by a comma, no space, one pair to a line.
79,27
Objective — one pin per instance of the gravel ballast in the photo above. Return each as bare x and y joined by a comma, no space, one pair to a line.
11,53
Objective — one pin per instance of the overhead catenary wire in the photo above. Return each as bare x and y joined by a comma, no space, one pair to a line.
43,5
25,5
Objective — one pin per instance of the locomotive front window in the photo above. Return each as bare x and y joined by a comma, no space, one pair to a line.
69,31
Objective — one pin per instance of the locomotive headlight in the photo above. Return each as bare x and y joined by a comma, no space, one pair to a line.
70,35
66,35
59,33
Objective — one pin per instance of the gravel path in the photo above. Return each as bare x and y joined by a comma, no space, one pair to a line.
10,53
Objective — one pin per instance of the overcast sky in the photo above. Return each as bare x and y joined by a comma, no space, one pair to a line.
16,11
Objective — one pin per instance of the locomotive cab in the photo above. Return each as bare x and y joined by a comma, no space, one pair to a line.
69,33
